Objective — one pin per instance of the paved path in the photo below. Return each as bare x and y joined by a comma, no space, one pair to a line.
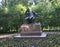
10,35
7,35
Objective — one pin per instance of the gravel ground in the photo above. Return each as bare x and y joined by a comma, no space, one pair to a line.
52,40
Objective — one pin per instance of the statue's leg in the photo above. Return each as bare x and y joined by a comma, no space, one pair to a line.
32,20
28,21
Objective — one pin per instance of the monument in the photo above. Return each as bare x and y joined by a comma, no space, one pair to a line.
31,28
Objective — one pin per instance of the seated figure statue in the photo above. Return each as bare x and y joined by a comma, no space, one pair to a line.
30,16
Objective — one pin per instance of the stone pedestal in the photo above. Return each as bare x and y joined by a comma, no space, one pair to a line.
31,29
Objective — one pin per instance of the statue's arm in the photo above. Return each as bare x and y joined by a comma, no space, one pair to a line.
36,14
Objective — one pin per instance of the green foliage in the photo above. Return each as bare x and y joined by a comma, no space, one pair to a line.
11,18
49,13
12,13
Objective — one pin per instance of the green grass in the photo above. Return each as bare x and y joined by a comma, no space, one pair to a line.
52,40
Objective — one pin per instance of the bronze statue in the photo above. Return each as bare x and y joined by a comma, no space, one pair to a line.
30,16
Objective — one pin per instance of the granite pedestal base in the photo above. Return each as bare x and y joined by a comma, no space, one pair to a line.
31,29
